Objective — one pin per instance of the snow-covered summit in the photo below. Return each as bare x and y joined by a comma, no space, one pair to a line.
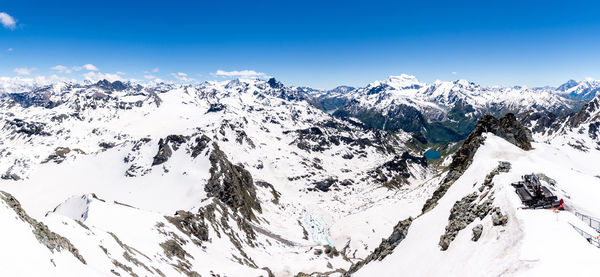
585,90
399,82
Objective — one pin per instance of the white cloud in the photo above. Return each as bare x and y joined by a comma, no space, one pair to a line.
239,73
149,77
61,69
120,73
155,70
9,49
454,73
24,70
182,77
88,67
8,21
96,76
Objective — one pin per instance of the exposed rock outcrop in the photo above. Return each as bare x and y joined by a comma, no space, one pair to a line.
44,235
586,113
164,148
164,153
191,224
477,230
472,206
202,143
324,185
28,128
395,173
508,127
498,218
462,214
215,108
60,154
232,184
386,247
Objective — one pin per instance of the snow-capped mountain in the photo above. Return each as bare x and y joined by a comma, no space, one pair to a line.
580,129
584,90
441,109
253,178
256,172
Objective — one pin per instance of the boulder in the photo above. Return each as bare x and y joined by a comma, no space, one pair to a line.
498,218
477,230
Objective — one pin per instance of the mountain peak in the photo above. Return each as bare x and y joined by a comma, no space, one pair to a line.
274,83
569,84
399,82
403,80
341,89
583,90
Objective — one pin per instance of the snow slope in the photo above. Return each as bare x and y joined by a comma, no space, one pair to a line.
109,139
532,243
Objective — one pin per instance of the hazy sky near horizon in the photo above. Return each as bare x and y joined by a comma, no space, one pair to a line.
320,44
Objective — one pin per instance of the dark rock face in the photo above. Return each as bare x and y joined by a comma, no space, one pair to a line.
347,182
594,130
44,235
59,118
165,151
275,84
215,108
548,124
201,144
544,122
232,184
110,87
28,128
386,247
402,117
329,133
331,251
324,185
507,127
39,97
106,145
190,224
394,173
407,118
585,114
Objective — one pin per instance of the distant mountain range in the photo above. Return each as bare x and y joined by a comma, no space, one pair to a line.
442,111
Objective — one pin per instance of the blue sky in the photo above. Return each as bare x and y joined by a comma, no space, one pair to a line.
314,43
